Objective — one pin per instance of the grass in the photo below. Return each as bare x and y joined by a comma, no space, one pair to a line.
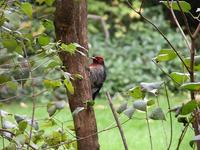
135,130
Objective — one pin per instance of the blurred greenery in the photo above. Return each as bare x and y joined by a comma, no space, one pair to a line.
29,66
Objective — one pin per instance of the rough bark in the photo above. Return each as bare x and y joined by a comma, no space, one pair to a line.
71,26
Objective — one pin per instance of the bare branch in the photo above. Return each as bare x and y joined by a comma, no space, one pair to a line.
185,19
177,23
194,35
170,115
117,121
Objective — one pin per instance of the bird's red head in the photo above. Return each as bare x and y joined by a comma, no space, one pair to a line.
98,60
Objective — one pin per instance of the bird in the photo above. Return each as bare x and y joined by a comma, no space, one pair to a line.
97,75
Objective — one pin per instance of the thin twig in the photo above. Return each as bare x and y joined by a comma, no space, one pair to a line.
177,23
149,130
170,116
184,19
162,34
117,121
194,35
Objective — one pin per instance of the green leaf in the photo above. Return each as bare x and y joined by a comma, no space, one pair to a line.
43,40
50,122
38,136
52,84
10,44
49,2
4,79
27,9
69,86
179,77
48,24
140,105
77,110
192,86
136,92
70,48
129,112
185,6
150,102
165,55
12,85
22,125
197,62
20,139
90,103
51,109
188,107
157,114
122,107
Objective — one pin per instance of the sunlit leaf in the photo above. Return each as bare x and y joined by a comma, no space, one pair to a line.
185,6
43,40
69,86
157,114
52,84
165,55
192,86
27,9
179,77
136,92
49,2
70,48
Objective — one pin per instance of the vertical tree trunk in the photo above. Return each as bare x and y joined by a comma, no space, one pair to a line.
71,26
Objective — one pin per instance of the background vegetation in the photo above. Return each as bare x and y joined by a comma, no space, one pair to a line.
27,33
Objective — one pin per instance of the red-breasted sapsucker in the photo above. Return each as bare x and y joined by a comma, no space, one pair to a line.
97,75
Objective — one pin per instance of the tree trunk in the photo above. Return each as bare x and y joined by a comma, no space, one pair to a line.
70,27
